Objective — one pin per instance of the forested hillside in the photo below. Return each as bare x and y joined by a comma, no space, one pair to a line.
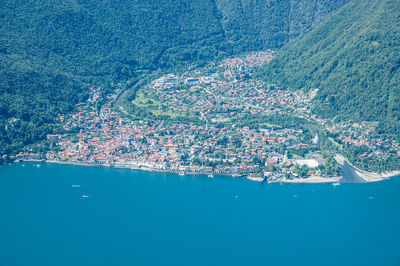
95,38
353,58
271,24
51,51
31,98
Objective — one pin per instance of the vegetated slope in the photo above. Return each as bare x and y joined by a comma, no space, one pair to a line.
269,23
51,51
113,38
57,48
353,58
31,98
106,38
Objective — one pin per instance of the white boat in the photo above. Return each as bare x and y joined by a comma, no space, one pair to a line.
182,173
85,196
336,184
211,175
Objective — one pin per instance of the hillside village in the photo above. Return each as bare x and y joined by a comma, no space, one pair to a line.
198,126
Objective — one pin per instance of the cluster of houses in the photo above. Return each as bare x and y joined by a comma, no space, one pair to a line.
362,134
111,139
216,99
249,61
107,137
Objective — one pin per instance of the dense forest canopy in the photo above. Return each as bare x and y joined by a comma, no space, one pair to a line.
353,58
271,24
98,38
51,51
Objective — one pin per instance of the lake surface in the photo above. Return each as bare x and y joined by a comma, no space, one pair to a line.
70,215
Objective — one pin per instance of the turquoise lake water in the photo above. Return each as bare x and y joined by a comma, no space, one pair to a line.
140,218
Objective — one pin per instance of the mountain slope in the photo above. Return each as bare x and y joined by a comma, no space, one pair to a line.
353,58
60,47
31,99
271,24
107,38
100,38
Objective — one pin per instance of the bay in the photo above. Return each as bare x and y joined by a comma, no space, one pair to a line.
70,215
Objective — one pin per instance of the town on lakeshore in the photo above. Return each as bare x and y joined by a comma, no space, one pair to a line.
219,119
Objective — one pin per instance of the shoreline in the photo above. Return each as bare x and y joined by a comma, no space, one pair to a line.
367,177
310,180
247,176
142,168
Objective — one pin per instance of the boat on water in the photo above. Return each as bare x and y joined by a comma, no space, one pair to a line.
211,175
182,173
336,184
85,196
76,185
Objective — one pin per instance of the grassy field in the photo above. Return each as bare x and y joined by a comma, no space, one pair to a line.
152,105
